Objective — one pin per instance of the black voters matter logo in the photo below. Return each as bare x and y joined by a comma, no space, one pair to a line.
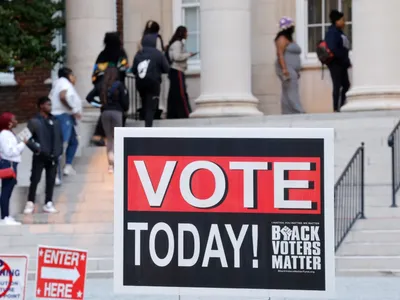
296,247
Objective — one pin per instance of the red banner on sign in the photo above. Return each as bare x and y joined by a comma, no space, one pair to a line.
61,273
224,184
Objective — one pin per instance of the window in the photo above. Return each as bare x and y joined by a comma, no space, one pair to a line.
187,13
314,14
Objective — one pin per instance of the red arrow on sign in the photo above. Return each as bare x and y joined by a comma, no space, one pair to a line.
61,273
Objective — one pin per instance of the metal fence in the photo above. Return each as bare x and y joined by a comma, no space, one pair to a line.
349,196
394,144
133,96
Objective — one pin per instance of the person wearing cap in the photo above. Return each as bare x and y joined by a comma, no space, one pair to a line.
339,45
287,66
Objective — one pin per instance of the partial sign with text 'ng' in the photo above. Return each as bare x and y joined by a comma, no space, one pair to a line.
61,273
223,211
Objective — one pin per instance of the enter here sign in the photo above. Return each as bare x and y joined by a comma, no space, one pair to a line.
61,273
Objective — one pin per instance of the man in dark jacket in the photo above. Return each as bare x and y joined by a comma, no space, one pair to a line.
148,66
339,44
47,147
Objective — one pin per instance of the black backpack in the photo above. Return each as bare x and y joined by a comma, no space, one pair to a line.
166,53
324,54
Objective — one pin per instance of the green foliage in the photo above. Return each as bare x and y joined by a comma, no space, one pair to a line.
27,28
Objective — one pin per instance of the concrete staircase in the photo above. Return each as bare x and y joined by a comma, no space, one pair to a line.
85,219
85,201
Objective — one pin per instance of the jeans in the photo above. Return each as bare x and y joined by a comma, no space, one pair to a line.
67,123
38,164
7,187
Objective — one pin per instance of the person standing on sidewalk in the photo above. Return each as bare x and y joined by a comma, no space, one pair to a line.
339,45
67,108
10,156
178,99
288,66
47,146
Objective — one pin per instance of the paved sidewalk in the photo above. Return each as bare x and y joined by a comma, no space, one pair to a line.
348,288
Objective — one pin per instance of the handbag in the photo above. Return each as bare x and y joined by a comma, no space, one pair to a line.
7,173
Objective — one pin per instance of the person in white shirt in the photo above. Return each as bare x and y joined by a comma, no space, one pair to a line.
10,156
67,108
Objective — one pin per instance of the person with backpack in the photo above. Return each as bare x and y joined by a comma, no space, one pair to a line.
178,99
288,66
148,66
114,103
152,27
113,55
337,46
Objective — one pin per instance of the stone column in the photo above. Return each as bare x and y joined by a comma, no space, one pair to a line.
376,76
87,22
225,60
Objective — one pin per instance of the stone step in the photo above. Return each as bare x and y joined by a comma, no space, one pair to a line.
369,249
368,263
93,250
46,229
62,193
377,224
382,212
373,236
89,206
62,240
67,217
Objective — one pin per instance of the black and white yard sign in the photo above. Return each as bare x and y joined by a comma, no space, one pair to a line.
224,211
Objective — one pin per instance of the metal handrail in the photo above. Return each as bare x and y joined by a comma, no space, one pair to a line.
392,139
349,196
133,97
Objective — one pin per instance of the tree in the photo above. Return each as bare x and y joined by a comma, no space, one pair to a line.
27,28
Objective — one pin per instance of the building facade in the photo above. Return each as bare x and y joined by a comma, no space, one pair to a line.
234,73
247,40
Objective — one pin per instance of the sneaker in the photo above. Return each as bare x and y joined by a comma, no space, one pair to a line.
58,181
9,221
29,208
49,208
69,170
110,156
111,169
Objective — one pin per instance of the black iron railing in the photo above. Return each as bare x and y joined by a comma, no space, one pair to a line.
349,196
133,96
394,144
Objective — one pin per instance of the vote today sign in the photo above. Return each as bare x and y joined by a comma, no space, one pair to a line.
61,273
224,211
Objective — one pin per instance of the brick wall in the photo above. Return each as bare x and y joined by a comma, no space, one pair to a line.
21,99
